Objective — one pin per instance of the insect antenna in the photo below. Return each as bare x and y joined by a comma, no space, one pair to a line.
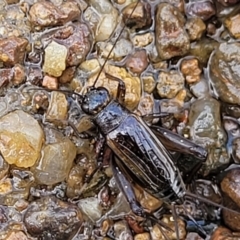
202,199
113,46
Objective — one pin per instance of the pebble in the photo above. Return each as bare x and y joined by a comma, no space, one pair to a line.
140,18
23,133
77,38
55,163
149,84
103,18
15,188
142,40
44,13
122,231
18,74
169,84
6,76
206,130
137,62
228,2
190,69
195,28
55,59
232,24
223,72
204,9
50,82
16,235
51,218
170,36
12,50
156,234
58,108
91,208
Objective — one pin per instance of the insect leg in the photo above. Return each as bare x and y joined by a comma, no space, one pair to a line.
126,188
174,142
121,88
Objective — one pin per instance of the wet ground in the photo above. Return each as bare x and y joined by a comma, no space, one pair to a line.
179,57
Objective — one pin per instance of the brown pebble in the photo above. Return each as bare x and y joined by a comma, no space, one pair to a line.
6,76
16,235
221,233
50,82
230,185
232,23
140,18
18,74
67,75
204,9
34,75
137,62
12,50
190,69
134,225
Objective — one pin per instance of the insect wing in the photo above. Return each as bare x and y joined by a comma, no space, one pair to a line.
145,157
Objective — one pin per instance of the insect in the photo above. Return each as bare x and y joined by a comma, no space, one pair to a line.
138,150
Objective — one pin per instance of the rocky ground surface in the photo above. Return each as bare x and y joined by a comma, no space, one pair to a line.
180,57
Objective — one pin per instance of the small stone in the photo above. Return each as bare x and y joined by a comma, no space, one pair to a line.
50,82
103,18
156,233
18,74
12,50
190,69
67,75
21,205
6,75
233,25
55,59
142,40
16,235
21,139
146,104
142,236
43,14
77,39
207,131
122,230
51,218
223,72
34,75
195,28
75,181
15,188
146,200
169,84
170,36
57,109
221,233
137,62
4,167
204,9
140,18
203,49
91,208
236,150
149,84
230,185
228,2
56,162
194,236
